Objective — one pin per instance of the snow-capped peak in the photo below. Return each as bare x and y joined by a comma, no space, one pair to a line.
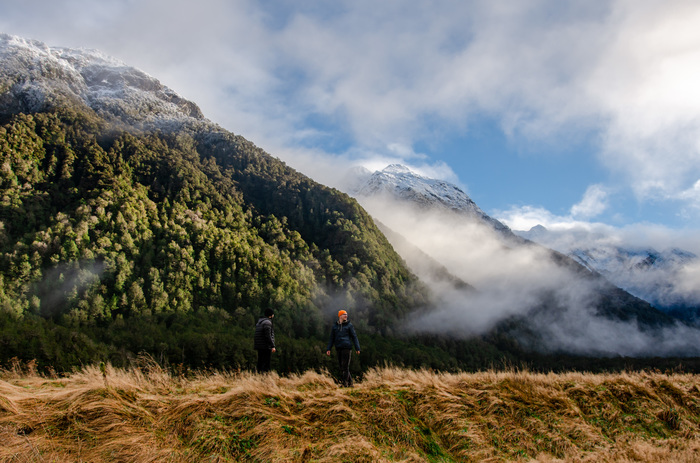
398,169
402,183
34,76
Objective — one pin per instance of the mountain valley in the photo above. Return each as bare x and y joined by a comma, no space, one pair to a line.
131,223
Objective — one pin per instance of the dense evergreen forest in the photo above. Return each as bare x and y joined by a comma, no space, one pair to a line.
116,242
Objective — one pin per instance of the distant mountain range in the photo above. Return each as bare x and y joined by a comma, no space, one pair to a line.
647,273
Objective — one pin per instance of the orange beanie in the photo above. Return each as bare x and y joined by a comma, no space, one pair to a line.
341,312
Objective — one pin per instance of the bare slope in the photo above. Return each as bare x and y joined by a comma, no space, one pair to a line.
145,414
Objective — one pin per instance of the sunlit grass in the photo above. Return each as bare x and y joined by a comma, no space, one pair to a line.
145,413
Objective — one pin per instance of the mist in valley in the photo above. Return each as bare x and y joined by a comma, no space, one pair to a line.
497,276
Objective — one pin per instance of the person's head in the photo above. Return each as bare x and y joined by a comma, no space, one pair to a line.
269,313
342,315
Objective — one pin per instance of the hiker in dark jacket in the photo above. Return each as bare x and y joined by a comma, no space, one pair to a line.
264,340
344,337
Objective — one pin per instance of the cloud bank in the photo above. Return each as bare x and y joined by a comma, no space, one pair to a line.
513,280
620,252
348,78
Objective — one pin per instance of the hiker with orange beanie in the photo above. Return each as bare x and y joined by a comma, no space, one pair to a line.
344,337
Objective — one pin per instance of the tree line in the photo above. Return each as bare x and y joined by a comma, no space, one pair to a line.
116,241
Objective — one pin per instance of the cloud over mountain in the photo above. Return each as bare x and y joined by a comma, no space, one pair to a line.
357,76
564,305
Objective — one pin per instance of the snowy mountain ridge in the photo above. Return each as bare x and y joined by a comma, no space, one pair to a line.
35,77
648,273
402,183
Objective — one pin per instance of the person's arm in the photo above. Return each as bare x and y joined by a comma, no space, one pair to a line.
331,341
270,335
354,339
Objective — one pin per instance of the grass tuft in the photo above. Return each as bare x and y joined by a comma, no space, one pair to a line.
144,413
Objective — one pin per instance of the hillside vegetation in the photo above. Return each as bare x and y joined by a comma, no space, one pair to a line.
115,241
145,414
130,226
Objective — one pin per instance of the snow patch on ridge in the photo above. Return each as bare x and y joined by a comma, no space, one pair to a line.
402,183
34,76
653,275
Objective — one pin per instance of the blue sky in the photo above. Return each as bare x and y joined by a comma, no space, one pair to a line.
570,114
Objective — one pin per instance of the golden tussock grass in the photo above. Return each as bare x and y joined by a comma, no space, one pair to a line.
145,414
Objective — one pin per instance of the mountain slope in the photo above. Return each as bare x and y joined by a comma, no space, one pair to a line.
130,222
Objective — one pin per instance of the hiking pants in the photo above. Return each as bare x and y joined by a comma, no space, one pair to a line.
264,357
344,364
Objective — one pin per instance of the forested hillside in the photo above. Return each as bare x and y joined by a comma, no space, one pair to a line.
173,243
129,223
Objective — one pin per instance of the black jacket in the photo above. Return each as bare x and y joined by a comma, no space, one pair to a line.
343,336
264,334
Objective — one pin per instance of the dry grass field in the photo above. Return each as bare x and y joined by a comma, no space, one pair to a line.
145,414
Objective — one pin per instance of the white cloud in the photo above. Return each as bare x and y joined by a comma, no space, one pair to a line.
594,202
366,80
510,281
382,75
526,217
645,84
687,282
692,195
568,231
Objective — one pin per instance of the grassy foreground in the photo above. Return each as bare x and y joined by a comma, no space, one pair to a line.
145,414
